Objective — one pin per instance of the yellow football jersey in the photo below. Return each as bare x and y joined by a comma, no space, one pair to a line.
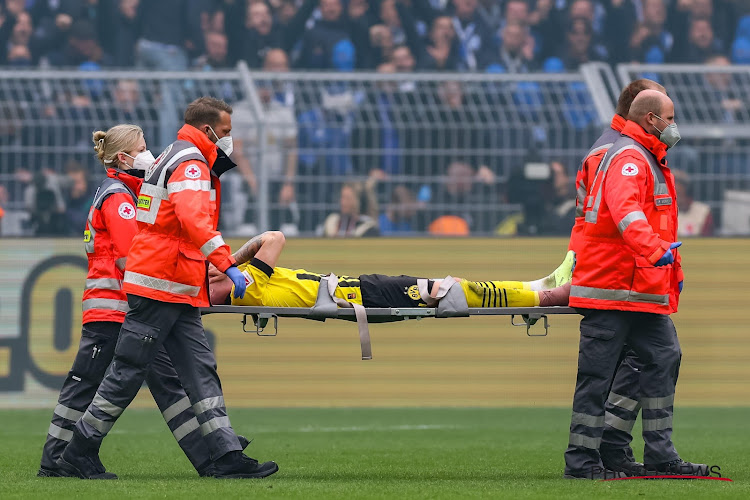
291,288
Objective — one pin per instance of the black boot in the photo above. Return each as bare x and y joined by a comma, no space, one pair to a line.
679,467
81,459
595,473
236,465
621,461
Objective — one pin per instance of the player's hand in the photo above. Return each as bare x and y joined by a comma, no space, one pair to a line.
668,257
239,281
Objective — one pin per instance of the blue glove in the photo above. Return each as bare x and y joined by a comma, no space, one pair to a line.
679,285
667,258
239,281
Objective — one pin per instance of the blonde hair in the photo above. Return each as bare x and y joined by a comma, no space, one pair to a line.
120,138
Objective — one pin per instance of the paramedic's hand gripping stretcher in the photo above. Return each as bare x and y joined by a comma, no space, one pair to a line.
273,292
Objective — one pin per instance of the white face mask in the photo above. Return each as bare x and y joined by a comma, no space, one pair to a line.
225,143
142,160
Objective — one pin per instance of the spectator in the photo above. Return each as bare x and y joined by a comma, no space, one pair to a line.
216,56
45,202
544,191
650,41
701,43
695,217
399,217
81,47
721,15
381,44
390,18
350,221
78,197
516,50
492,12
16,35
122,41
167,46
723,99
619,23
474,35
442,51
578,45
260,34
278,143
318,42
465,193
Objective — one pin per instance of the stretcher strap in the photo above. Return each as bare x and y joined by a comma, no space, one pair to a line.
331,283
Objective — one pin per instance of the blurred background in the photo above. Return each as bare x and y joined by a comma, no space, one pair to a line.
365,118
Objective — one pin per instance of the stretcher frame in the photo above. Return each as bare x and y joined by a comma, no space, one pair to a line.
261,315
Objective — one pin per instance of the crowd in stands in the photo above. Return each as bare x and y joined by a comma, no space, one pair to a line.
423,148
510,36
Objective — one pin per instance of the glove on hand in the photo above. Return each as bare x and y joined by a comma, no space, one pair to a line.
667,258
679,285
239,281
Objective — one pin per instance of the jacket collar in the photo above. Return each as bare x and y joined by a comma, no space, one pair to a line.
207,148
618,123
650,142
131,181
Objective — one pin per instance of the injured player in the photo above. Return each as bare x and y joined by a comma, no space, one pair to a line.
271,286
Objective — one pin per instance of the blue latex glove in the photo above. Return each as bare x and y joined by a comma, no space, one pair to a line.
239,281
679,285
667,258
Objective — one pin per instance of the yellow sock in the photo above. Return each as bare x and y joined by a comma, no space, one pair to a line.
498,294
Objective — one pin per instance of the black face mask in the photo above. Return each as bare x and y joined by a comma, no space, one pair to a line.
223,163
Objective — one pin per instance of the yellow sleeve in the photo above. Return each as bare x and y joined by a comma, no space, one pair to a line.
256,276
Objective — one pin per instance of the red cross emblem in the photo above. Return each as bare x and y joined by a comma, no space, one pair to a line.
193,172
630,169
127,210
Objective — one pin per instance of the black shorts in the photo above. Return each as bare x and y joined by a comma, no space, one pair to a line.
379,290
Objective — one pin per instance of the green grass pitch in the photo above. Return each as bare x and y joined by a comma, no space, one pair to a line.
376,453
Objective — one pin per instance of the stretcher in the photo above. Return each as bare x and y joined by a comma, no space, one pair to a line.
260,316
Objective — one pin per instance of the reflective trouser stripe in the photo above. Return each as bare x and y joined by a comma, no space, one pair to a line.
212,244
186,428
208,404
176,409
68,413
584,441
657,424
103,284
587,420
622,401
213,424
107,407
100,425
618,423
657,403
110,304
60,433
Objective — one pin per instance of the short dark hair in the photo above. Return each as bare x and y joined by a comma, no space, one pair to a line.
631,90
205,111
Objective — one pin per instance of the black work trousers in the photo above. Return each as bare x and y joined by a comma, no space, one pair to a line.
148,325
95,352
603,334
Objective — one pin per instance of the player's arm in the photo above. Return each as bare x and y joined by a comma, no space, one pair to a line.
118,216
622,193
189,190
265,247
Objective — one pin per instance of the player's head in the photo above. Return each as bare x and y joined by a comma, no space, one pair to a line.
119,146
631,90
211,116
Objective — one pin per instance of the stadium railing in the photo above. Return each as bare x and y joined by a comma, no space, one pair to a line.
429,144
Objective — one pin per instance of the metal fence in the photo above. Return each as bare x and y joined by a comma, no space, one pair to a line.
415,153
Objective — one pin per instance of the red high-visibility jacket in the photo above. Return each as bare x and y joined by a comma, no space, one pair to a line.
587,172
629,225
110,228
178,214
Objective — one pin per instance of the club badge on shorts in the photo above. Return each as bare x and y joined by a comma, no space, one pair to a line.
126,210
630,169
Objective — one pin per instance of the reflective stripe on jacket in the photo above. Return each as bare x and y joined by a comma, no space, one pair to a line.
110,228
586,173
178,215
630,220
